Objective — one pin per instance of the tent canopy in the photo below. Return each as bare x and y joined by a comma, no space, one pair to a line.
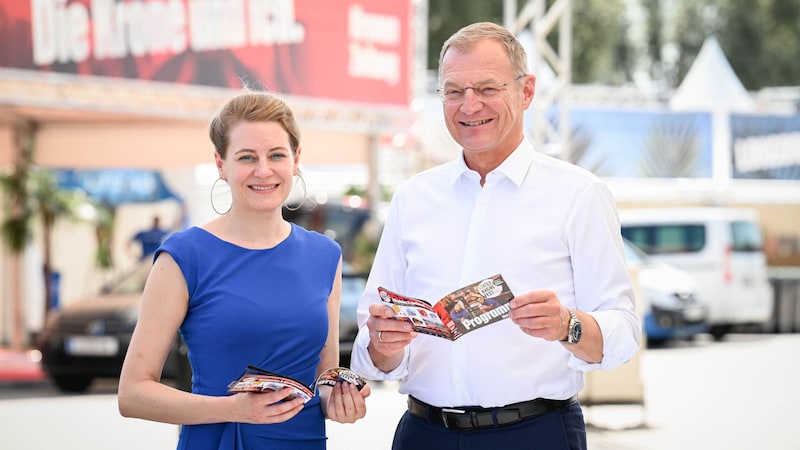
711,84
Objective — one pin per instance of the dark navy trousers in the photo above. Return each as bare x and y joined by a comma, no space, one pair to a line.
562,429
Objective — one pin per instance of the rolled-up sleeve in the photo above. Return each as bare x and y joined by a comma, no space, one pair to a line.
361,363
603,286
387,270
621,335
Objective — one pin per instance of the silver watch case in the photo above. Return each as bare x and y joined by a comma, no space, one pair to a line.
575,328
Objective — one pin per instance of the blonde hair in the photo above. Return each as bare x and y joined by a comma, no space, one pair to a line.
252,106
467,37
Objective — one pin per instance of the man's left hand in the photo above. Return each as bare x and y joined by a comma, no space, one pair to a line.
540,314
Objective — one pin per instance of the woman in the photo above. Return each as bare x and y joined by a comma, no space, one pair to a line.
247,288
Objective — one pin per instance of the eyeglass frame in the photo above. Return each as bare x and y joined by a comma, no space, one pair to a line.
477,91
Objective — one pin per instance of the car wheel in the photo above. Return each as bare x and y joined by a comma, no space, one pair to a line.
181,373
72,383
184,376
719,331
344,360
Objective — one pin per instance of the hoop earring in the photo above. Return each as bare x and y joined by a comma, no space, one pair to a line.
305,193
214,186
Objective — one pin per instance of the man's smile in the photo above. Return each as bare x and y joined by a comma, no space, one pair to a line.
475,123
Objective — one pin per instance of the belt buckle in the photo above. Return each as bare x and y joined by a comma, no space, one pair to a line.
446,414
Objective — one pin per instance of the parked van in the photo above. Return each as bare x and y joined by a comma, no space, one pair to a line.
722,248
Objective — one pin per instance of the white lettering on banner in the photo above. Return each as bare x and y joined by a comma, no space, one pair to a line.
109,40
156,27
273,22
60,32
217,24
366,31
67,31
375,28
368,62
138,28
767,152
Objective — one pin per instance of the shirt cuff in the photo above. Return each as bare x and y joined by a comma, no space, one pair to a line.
619,344
361,362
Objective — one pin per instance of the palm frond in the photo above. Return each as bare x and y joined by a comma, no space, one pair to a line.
671,150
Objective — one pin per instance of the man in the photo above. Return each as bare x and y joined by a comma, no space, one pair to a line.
150,239
459,313
479,304
550,228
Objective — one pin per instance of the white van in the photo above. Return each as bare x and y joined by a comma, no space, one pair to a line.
722,248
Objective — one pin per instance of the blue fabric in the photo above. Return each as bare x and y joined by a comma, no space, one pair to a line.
262,307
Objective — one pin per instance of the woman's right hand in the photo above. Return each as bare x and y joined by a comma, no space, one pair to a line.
265,407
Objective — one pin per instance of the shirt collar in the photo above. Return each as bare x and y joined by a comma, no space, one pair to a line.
515,166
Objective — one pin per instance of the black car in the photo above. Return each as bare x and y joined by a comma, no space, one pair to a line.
88,338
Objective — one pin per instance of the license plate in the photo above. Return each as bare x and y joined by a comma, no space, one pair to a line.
693,313
92,346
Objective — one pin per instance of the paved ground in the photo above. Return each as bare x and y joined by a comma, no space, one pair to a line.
739,394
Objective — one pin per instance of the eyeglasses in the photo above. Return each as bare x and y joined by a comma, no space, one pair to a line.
484,91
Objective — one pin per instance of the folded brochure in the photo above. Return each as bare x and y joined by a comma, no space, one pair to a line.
459,312
256,379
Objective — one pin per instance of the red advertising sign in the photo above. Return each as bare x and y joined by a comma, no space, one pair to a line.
348,50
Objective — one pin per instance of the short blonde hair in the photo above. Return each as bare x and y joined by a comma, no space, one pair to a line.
467,37
252,106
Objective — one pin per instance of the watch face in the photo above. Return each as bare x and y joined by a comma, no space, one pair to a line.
575,332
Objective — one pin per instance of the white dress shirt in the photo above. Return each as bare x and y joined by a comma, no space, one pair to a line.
542,224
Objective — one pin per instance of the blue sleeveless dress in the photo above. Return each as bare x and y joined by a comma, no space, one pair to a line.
262,307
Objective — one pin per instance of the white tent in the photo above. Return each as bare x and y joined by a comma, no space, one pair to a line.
711,84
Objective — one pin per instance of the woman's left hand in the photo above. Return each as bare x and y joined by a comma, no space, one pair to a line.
345,403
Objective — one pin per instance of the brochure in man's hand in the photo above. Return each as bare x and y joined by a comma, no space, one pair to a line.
459,312
256,379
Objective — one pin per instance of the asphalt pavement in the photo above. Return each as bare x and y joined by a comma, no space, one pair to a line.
739,394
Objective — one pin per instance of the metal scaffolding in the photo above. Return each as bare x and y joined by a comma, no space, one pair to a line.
541,20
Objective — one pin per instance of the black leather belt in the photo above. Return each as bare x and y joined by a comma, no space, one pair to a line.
473,418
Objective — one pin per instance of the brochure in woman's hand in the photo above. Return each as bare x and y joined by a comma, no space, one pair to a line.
256,379
459,312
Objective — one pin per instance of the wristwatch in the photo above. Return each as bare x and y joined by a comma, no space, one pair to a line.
575,330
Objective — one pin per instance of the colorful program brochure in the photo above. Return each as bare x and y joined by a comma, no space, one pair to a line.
458,313
256,379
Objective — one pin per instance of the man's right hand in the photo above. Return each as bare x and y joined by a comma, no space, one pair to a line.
388,337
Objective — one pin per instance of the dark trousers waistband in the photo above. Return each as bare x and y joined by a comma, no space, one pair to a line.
473,418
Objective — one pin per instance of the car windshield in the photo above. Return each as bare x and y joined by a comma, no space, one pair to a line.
632,254
746,237
352,288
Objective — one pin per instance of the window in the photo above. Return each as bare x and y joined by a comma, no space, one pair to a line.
746,237
666,239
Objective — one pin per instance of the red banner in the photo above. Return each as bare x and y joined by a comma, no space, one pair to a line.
348,50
